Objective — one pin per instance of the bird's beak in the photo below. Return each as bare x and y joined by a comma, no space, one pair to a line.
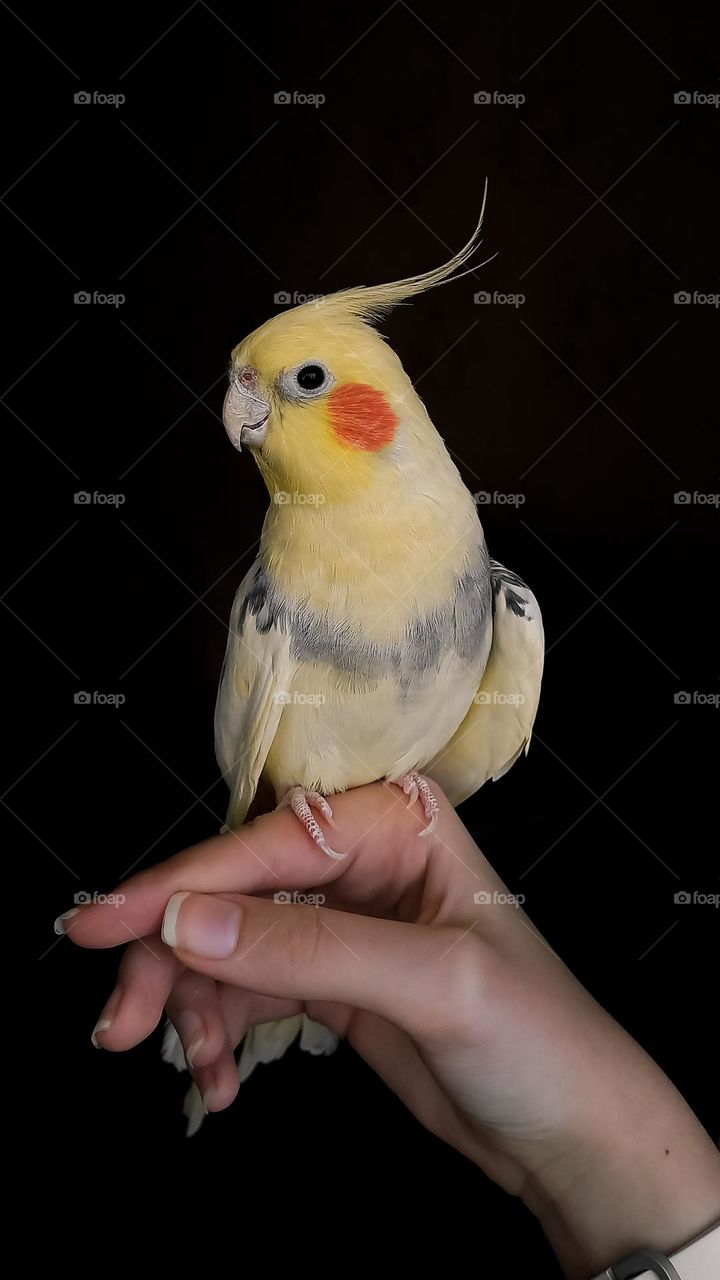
245,412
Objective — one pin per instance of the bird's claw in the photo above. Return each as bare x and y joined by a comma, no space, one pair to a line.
302,803
415,786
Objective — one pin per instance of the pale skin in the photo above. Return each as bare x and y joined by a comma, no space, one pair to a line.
460,1006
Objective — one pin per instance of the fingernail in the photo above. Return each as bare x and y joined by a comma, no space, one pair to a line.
107,1016
102,1024
60,924
191,1031
207,926
168,932
192,1050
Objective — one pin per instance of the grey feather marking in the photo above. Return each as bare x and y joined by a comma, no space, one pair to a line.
503,579
461,624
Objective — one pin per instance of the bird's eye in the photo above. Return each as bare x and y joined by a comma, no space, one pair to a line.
306,381
311,377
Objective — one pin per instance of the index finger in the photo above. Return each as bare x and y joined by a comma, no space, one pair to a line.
271,854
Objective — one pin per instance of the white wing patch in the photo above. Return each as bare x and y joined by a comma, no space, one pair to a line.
254,685
498,726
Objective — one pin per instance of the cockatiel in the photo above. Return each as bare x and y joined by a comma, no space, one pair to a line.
373,638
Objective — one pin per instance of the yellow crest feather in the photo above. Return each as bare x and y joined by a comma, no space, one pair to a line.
371,302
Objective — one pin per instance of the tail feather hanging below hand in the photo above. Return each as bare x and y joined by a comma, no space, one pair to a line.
264,1043
317,1039
269,1040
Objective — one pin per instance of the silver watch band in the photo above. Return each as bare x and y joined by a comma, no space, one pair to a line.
697,1260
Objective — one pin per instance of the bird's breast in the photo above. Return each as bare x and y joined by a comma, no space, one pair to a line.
368,701
355,640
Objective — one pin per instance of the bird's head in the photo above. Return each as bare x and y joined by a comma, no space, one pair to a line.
322,400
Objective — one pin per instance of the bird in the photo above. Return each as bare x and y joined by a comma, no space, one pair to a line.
373,637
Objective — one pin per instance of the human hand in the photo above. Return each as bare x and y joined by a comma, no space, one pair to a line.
442,985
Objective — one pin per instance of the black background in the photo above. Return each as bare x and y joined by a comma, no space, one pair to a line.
601,207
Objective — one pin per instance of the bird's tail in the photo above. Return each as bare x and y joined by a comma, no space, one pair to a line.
263,1043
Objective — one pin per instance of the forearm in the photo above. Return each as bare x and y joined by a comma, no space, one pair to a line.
648,1176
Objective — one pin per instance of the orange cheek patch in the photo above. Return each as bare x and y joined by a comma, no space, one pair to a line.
361,417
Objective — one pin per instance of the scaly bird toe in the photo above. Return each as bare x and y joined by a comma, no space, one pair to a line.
302,803
415,786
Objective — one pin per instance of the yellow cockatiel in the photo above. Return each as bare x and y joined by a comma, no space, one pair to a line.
373,637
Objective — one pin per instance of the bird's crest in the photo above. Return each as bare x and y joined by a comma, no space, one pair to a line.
371,302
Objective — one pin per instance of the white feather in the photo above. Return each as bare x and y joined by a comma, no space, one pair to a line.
498,726
172,1051
266,1042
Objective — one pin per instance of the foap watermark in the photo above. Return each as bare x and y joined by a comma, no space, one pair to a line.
695,98
85,898
286,298
683,298
95,98
83,498
96,698
497,98
696,698
498,299
83,298
294,98
295,499
683,498
294,897
483,498
486,898
494,698
297,699
696,899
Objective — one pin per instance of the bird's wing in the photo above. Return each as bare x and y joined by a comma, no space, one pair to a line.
254,685
498,726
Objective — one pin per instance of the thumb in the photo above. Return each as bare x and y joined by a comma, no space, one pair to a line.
403,972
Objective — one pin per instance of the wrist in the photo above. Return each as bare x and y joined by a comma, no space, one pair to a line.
652,1179
596,1210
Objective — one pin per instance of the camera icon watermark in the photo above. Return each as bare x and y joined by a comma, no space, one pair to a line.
85,98
83,298
683,298
284,498
86,898
96,698
83,498
683,498
494,698
485,299
496,98
687,98
696,899
293,897
697,698
286,98
484,498
497,897
288,298
296,699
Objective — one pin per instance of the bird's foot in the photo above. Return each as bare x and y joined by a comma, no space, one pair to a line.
302,803
414,786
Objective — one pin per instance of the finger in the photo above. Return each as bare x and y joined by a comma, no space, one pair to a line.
218,1082
271,854
404,972
244,1009
145,978
194,1009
